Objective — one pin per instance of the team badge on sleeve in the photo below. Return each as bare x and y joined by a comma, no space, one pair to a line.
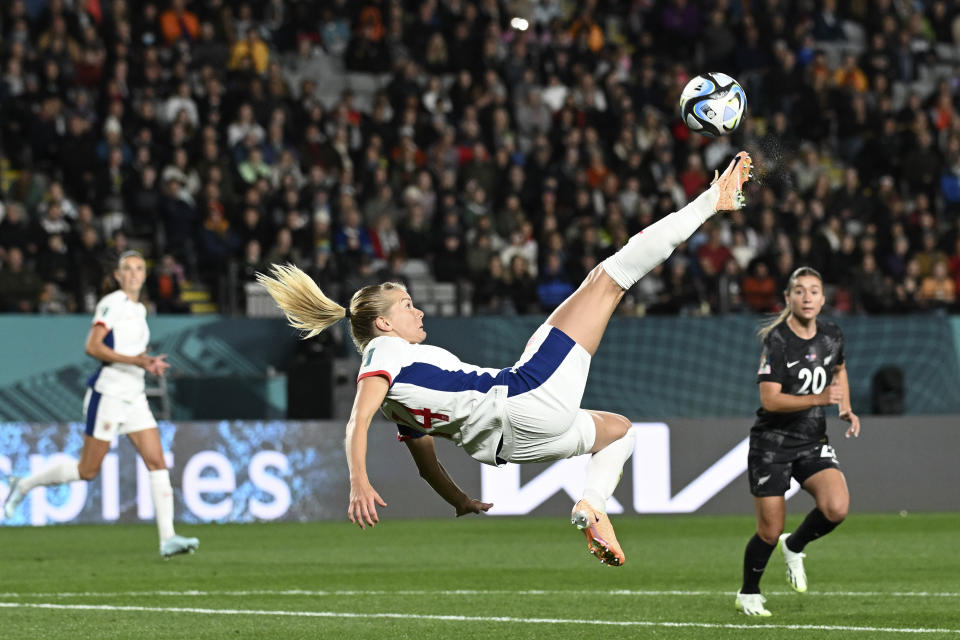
764,366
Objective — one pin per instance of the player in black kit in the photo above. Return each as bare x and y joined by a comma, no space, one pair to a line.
801,372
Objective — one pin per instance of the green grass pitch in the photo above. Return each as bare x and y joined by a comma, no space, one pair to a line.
877,576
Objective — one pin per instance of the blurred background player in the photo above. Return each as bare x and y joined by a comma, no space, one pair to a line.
116,404
528,413
802,370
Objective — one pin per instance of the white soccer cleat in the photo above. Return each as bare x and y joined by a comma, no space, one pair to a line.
751,604
796,576
14,497
177,545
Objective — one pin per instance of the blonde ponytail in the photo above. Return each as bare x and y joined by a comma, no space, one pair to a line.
765,330
308,309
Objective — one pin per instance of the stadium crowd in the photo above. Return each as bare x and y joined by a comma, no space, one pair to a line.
505,145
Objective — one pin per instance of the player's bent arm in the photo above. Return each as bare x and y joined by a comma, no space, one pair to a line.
424,453
846,410
371,392
97,349
774,400
840,376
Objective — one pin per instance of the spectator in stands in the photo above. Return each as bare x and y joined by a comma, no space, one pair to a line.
283,250
178,24
87,268
553,285
929,255
218,243
760,289
250,52
532,129
165,284
15,230
521,286
19,286
870,288
450,260
55,265
937,290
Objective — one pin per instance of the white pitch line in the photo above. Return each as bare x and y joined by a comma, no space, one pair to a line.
452,618
464,592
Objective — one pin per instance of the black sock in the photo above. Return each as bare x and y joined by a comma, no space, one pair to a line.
754,562
812,527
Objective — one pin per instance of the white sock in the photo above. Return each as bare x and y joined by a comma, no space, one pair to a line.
59,473
162,494
654,244
605,468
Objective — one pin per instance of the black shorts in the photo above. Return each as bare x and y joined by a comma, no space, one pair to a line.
774,458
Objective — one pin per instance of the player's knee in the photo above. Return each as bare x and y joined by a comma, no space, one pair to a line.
769,532
621,424
835,511
88,473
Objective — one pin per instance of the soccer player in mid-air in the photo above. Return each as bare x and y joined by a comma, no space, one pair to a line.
802,370
116,404
526,413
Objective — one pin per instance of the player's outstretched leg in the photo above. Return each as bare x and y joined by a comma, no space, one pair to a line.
584,315
58,473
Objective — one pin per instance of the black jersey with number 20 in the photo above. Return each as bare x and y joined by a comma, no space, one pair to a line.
802,367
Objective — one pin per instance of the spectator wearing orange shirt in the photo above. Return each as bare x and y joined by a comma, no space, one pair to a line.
937,291
760,289
176,23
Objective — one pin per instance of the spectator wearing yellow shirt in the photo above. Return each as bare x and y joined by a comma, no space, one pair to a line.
253,48
850,76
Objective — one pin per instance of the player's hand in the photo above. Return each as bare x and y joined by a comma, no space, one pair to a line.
854,428
363,504
158,365
832,394
470,505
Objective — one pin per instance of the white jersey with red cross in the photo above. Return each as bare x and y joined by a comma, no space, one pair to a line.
434,392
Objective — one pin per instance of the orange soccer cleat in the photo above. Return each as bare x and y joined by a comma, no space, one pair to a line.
601,540
730,183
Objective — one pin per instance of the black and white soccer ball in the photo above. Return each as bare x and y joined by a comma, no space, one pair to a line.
713,104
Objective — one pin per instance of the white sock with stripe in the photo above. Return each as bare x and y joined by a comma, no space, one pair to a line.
654,244
605,468
162,494
59,473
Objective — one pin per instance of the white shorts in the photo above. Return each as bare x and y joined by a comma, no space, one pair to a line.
545,387
107,417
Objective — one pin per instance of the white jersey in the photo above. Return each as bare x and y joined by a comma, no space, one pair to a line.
128,335
529,412
433,392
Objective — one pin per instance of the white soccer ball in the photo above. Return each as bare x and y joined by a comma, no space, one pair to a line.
713,104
